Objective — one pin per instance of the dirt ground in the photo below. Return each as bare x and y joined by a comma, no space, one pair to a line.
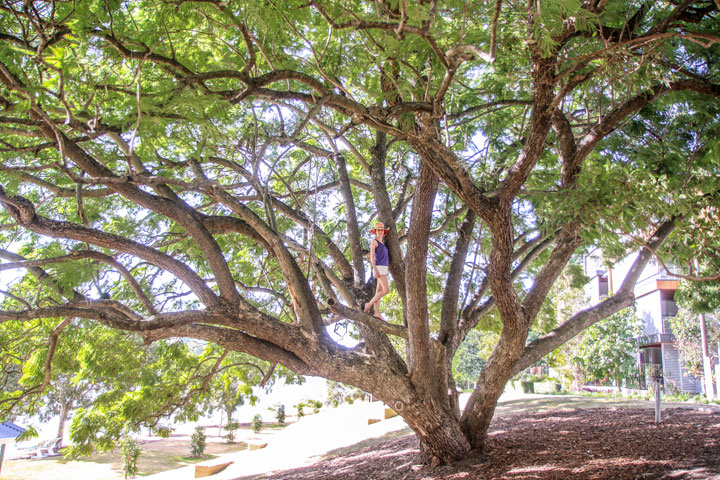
552,445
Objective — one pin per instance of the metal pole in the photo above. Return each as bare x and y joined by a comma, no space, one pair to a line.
658,381
2,454
707,367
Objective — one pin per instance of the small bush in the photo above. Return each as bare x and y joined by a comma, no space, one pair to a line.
198,442
280,415
316,405
231,428
130,451
257,423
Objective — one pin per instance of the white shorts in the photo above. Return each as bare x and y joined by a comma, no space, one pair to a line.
382,269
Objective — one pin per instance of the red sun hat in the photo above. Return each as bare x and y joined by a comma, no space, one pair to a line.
379,226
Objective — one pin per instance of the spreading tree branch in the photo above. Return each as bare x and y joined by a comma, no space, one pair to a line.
623,298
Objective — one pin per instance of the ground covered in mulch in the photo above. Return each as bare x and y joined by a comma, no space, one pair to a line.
567,444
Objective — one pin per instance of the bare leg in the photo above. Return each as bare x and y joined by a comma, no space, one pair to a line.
383,288
369,305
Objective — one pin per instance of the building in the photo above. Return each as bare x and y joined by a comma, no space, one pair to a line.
8,433
655,304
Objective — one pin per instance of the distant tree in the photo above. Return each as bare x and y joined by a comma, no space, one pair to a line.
198,442
64,397
231,428
280,415
257,423
338,393
130,451
472,355
608,349
111,383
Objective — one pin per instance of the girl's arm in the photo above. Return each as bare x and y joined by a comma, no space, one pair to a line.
373,244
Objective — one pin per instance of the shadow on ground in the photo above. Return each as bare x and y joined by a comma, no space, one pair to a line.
561,444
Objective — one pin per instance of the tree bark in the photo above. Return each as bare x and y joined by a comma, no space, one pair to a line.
64,413
420,348
352,223
498,370
438,430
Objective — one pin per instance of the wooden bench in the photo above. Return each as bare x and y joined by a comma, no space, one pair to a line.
257,445
207,470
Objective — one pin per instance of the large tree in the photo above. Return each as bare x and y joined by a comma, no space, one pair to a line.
207,169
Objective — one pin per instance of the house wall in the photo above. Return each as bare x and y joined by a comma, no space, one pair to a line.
673,371
649,309
654,305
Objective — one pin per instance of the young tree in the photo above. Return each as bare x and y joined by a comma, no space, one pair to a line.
257,423
472,355
231,427
198,442
130,451
280,415
207,169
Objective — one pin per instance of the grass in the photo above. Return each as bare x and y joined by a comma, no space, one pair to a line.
556,402
165,454
157,456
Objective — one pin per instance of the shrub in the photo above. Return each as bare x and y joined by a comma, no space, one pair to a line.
316,405
198,442
280,415
257,423
130,451
231,427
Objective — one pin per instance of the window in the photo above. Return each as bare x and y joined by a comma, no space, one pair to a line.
603,286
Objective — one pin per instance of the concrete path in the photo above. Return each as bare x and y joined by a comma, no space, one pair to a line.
301,443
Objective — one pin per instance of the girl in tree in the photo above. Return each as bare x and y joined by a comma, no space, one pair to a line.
380,260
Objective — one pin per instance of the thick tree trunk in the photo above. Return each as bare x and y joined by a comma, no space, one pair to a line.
437,428
498,370
431,415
